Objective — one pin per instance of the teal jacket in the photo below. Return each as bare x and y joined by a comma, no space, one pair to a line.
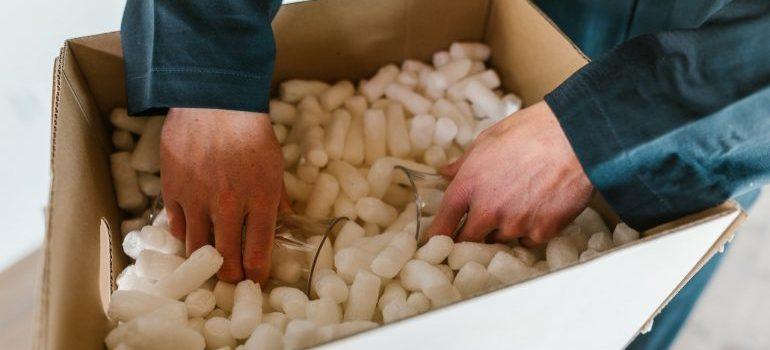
671,117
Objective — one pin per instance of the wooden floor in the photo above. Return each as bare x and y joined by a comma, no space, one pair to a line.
18,296
734,312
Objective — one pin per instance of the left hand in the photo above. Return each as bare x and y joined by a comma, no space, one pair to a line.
519,179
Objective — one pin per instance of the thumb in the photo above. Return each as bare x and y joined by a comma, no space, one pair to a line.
453,207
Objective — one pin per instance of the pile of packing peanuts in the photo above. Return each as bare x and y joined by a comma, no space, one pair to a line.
341,144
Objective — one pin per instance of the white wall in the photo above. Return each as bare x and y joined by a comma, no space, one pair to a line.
31,33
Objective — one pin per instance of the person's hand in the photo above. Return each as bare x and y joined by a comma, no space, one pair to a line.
519,179
222,171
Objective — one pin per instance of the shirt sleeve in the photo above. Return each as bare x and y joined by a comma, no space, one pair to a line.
673,123
203,53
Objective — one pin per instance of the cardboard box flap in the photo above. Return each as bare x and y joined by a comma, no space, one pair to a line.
334,39
72,315
598,304
514,30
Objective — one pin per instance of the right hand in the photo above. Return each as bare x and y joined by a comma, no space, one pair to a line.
222,170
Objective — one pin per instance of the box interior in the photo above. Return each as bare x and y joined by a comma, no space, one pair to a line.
323,39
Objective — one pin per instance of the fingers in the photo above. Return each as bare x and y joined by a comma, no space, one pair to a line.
228,226
198,231
260,226
507,231
453,207
481,221
176,220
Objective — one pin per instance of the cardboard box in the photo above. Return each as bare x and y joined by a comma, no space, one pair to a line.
600,304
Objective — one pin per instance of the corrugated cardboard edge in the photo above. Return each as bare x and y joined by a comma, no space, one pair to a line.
717,247
41,324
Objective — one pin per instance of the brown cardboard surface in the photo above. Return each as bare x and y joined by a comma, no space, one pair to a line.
323,39
81,194
332,39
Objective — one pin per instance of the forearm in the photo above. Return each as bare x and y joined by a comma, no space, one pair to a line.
205,54
673,123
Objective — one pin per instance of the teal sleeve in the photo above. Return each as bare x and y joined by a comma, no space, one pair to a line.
203,54
676,122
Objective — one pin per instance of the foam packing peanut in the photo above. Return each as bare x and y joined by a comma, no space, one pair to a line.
349,232
265,337
375,87
123,140
200,302
560,252
336,132
351,181
345,207
281,132
345,329
489,105
397,310
282,113
412,101
155,334
464,252
444,108
471,279
323,312
435,156
129,280
397,134
126,305
374,210
247,309
155,265
508,269
362,298
216,330
472,50
290,301
349,261
600,241
419,302
354,152
152,238
278,320
441,58
328,285
146,155
436,250
394,256
301,334
407,216
149,184
129,194
447,74
293,91
375,137
307,172
624,234
199,267
336,95
322,197
313,147
591,222
291,153
120,119
224,295
296,189
421,130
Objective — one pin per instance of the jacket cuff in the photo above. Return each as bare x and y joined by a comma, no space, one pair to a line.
160,90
